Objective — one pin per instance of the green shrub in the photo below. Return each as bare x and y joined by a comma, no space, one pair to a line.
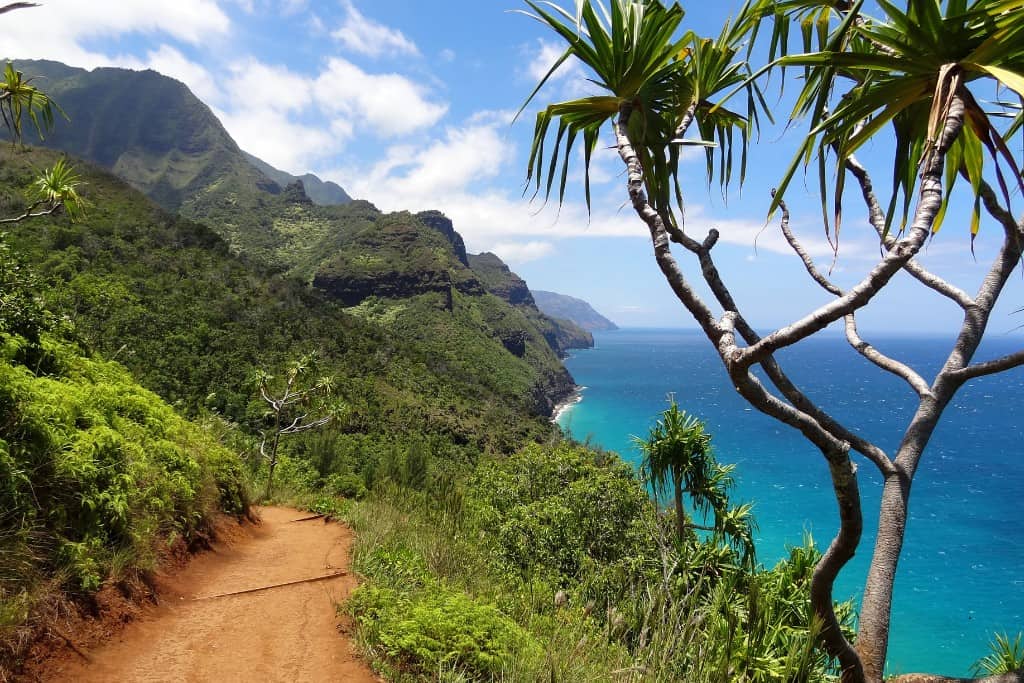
440,628
95,466
564,511
345,485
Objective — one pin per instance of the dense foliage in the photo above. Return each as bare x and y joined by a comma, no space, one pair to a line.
94,469
165,297
566,542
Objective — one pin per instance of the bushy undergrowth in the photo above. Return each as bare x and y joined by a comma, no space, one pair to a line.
92,465
566,543
94,469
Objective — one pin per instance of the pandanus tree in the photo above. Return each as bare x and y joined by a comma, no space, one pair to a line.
677,454
915,77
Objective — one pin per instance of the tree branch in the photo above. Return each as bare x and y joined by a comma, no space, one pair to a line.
916,382
659,236
771,367
894,260
812,270
996,210
990,367
28,212
877,219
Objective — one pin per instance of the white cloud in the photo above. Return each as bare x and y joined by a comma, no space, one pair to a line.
367,37
569,80
447,55
412,176
276,139
56,29
254,85
544,58
522,252
390,104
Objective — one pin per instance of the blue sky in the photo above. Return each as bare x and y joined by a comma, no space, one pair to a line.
409,104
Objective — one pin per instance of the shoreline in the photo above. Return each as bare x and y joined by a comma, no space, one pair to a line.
565,405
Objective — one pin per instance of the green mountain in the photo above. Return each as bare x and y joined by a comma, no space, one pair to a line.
407,274
148,129
571,308
166,297
324,193
561,334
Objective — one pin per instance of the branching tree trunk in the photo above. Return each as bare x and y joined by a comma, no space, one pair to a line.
859,75
290,412
867,661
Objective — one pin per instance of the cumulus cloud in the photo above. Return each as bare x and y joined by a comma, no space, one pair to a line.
569,79
390,104
283,143
367,37
522,252
254,85
58,28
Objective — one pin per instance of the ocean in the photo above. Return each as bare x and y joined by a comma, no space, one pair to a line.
961,575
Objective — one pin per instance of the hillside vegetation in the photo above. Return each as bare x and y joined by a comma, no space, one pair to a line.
490,549
96,472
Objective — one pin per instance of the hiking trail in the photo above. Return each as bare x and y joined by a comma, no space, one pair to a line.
211,625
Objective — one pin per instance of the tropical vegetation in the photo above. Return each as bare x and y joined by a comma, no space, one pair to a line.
913,76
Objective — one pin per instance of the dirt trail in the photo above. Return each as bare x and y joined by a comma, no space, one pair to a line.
287,633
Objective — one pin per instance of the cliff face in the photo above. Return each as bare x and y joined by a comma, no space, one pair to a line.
395,259
441,223
560,334
500,280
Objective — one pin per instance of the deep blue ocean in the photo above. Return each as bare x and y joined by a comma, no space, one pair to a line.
961,576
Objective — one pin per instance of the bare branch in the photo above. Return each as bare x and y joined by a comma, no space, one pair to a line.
916,382
877,219
812,270
734,320
894,260
659,236
296,428
990,367
10,7
29,212
996,210
687,119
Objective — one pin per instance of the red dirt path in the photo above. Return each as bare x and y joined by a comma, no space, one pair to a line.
289,633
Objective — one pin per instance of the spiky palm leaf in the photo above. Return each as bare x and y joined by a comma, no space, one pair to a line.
634,53
18,97
903,70
677,452
58,187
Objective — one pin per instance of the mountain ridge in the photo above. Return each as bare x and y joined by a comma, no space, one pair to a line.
570,308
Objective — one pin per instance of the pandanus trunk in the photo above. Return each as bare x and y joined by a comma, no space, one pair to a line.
680,512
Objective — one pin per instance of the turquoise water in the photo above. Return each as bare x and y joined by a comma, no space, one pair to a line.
961,575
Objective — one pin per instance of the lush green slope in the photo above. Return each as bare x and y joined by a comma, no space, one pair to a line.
95,470
147,128
571,308
165,296
351,251
324,193
561,334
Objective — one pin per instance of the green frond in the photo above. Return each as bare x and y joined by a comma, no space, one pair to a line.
901,69
19,98
58,187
